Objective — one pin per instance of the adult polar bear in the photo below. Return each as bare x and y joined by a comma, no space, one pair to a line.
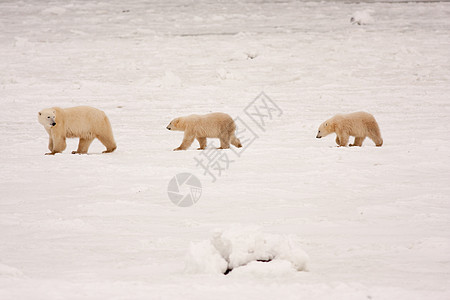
213,125
358,124
84,122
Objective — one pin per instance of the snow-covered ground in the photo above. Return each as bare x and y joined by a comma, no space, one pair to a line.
373,221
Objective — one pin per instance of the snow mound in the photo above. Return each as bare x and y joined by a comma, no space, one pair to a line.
224,74
21,42
238,247
170,80
241,55
363,17
274,268
54,10
7,271
204,258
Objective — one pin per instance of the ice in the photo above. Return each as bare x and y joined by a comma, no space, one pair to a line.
270,270
170,80
9,272
362,17
239,246
203,257
224,74
54,10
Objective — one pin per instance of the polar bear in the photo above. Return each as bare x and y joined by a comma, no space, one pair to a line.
84,122
357,124
213,125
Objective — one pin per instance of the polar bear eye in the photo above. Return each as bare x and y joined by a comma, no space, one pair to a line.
48,117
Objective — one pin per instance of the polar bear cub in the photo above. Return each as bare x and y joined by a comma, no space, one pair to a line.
213,125
84,122
357,124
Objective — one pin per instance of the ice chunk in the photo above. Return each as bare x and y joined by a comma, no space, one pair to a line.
362,17
241,246
204,258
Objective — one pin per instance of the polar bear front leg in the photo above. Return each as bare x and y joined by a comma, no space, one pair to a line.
343,139
202,142
188,139
83,146
50,143
59,144
358,141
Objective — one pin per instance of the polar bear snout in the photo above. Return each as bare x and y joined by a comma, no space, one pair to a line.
51,121
318,136
172,125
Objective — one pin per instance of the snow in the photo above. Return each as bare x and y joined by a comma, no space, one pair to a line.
373,221
240,247
203,257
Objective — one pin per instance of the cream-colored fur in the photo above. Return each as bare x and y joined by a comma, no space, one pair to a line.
201,127
357,124
84,122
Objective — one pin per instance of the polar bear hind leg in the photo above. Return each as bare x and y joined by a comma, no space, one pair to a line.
235,141
375,136
108,142
377,140
106,137
225,141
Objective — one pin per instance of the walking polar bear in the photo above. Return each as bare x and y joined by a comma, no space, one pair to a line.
200,127
84,122
357,124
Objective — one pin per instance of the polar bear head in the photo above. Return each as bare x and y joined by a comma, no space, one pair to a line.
177,124
324,129
47,118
